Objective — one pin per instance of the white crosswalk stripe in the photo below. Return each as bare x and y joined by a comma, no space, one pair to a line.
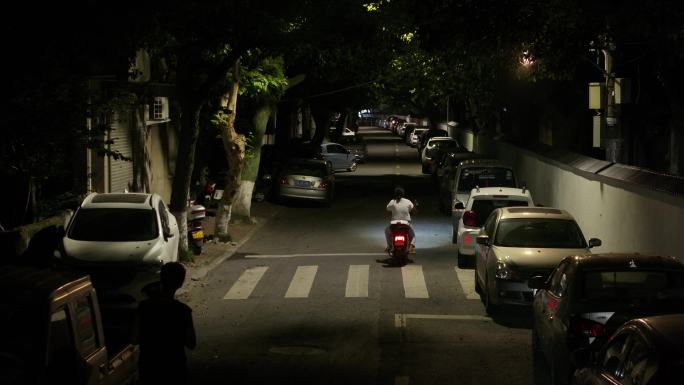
357,281
246,283
414,282
413,279
467,280
301,283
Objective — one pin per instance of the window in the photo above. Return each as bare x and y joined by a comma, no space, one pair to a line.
485,177
114,225
613,354
639,362
490,224
538,232
484,207
559,280
625,285
164,217
86,336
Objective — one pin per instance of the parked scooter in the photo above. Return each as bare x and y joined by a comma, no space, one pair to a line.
401,242
262,188
196,215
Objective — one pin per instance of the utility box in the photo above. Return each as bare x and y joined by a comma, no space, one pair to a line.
597,93
599,125
623,91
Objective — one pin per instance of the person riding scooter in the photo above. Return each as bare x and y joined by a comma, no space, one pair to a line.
401,209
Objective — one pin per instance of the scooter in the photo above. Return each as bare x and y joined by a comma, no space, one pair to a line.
401,242
196,214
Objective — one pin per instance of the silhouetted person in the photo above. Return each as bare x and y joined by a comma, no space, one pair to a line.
164,330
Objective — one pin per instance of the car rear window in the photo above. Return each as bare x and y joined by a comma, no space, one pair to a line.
539,232
305,169
114,225
484,207
642,284
485,177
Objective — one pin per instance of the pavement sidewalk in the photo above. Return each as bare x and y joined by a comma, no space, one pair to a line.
214,253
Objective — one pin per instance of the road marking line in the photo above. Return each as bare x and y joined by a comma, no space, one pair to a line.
244,286
414,282
467,280
401,320
301,283
357,281
401,380
266,256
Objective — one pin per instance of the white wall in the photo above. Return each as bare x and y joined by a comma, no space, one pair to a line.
626,217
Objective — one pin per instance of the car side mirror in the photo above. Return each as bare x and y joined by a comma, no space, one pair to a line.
594,242
168,235
483,240
537,282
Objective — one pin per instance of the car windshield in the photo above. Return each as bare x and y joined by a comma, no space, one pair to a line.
472,177
114,225
305,169
484,207
539,232
443,144
624,285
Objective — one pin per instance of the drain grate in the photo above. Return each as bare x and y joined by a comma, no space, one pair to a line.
297,350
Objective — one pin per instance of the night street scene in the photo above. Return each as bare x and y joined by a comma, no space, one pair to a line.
349,192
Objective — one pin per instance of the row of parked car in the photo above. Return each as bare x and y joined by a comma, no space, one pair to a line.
597,318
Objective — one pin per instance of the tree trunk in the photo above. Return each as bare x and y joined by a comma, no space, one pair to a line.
185,161
242,204
234,146
322,118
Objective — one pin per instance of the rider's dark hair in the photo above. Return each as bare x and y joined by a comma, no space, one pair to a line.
398,194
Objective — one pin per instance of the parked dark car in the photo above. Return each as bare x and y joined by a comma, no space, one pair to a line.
586,298
644,351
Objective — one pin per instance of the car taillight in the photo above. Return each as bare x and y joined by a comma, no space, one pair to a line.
399,240
470,219
284,180
322,184
467,239
587,328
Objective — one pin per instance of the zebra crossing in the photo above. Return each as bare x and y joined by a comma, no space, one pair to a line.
357,282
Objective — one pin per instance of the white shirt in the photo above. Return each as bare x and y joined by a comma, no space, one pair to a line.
400,210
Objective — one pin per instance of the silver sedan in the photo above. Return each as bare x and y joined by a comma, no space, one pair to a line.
306,179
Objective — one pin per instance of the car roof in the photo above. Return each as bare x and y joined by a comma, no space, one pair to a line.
441,138
608,260
483,162
494,191
317,162
665,330
38,283
120,200
534,212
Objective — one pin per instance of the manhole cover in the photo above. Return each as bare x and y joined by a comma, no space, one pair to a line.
296,350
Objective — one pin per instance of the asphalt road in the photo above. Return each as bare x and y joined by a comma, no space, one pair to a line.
305,302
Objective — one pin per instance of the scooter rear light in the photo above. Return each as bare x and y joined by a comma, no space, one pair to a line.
587,328
399,240
470,219
322,184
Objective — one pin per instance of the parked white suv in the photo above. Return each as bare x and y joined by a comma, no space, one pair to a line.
121,241
482,201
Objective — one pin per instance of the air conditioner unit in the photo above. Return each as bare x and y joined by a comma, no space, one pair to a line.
158,109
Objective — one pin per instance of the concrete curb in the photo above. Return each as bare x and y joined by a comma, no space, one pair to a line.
202,272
